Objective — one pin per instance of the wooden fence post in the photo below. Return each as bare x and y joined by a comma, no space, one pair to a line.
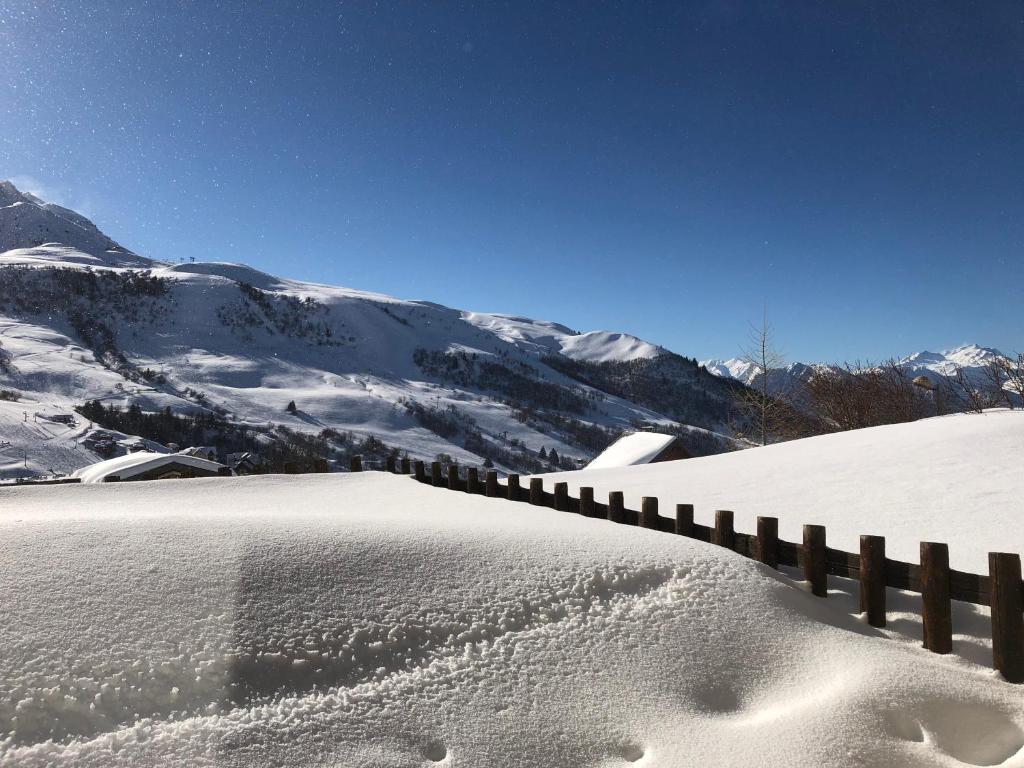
768,541
421,471
684,519
406,468
936,613
872,579
491,483
1007,606
616,507
513,488
355,464
724,534
537,491
562,497
389,464
472,480
649,513
814,561
453,477
587,501
436,478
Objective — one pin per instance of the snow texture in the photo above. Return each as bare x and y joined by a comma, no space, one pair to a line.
367,620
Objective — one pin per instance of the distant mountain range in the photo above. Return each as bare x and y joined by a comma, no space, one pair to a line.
970,358
259,361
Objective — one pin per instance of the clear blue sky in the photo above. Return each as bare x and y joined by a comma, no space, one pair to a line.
663,169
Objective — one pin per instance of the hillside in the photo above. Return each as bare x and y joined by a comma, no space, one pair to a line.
330,620
90,321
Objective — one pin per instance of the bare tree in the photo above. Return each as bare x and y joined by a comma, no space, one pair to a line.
857,396
1013,373
996,378
963,391
766,403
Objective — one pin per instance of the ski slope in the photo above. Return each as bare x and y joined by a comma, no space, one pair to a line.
367,620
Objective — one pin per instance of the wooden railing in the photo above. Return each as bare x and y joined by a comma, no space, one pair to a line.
938,584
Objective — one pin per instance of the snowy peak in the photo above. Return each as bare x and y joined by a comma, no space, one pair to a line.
733,368
26,222
546,338
968,356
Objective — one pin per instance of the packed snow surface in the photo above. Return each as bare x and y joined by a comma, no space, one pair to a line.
132,464
632,449
954,479
367,620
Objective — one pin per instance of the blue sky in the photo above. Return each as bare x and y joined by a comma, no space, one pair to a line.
662,169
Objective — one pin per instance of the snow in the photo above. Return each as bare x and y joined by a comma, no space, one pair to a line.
954,479
402,625
354,383
605,346
971,357
546,338
632,449
733,368
132,464
26,220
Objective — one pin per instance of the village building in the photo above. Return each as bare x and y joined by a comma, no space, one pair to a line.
150,466
245,463
203,452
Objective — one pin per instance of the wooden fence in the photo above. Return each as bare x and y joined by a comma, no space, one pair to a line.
938,584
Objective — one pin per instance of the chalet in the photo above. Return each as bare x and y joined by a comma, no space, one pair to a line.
245,463
640,448
202,452
149,466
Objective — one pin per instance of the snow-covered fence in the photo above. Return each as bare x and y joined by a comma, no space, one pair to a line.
1001,590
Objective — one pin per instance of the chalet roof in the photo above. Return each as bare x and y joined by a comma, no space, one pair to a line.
139,463
631,449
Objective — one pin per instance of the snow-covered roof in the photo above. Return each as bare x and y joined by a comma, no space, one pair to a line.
635,448
133,464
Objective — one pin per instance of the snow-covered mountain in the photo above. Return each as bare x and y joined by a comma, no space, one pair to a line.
970,358
28,222
84,319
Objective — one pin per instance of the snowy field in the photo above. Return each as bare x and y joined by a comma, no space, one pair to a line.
367,620
956,479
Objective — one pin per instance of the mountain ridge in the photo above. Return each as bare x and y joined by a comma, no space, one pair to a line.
279,359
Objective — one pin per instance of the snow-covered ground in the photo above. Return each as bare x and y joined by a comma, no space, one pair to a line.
366,620
956,479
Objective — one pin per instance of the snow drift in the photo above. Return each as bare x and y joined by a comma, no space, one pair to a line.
367,620
954,479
